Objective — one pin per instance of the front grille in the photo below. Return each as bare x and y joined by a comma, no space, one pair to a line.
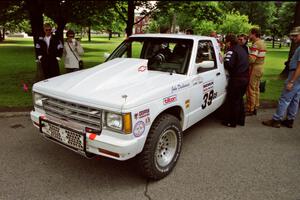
84,115
68,137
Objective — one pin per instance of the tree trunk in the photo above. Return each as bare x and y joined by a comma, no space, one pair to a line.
35,9
3,31
60,30
1,39
130,20
173,26
294,46
89,34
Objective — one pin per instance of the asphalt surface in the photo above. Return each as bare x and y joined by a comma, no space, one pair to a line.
217,163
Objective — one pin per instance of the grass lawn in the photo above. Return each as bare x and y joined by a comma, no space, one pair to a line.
18,66
274,64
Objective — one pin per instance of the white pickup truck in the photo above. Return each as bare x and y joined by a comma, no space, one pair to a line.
137,103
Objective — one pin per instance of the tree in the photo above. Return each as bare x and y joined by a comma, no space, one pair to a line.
205,27
12,17
258,12
235,23
66,11
187,14
127,14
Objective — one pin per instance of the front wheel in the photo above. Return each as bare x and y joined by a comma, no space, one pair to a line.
162,147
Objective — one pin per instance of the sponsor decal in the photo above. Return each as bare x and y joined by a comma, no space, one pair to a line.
142,68
208,94
207,86
197,80
142,114
187,103
147,121
170,99
179,86
139,129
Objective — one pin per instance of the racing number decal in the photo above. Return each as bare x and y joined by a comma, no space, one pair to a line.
208,97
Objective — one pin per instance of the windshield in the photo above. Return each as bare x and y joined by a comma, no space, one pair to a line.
163,54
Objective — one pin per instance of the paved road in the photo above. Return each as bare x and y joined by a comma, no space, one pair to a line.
217,163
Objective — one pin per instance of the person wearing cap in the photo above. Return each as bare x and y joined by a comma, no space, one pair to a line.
289,100
72,52
256,62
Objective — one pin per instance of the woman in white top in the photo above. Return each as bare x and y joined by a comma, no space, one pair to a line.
72,52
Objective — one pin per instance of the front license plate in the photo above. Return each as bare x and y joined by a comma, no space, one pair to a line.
67,136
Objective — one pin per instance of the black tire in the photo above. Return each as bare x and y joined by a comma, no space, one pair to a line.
164,129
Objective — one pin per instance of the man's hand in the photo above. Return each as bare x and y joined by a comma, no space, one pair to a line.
289,86
58,58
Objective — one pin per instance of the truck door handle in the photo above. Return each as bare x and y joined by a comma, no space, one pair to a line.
218,74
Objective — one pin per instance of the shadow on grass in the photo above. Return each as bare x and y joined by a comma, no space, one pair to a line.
101,42
88,49
22,42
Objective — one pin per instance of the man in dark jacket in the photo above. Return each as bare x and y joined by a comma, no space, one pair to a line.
243,41
49,52
236,62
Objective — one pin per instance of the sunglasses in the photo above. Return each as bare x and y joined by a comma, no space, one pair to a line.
70,35
48,29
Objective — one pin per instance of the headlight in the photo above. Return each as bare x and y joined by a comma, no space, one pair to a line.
119,122
114,121
37,99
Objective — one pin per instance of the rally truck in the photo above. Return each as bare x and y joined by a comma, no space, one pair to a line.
137,103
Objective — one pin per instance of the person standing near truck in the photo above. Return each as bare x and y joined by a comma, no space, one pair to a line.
236,62
289,100
49,52
72,52
256,61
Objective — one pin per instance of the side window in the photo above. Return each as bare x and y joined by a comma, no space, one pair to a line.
206,57
130,50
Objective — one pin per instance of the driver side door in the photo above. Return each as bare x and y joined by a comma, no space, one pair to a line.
204,80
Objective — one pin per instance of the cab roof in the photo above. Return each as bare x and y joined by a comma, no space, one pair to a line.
178,36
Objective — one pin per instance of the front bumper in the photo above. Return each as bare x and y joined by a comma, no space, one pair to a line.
108,143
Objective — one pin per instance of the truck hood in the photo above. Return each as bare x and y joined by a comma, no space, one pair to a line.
119,83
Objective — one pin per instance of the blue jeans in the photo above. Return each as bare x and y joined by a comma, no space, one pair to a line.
289,101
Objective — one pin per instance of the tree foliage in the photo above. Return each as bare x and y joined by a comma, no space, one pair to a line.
12,16
186,14
258,12
235,23
205,27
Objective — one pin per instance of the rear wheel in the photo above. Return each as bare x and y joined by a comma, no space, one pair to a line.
162,147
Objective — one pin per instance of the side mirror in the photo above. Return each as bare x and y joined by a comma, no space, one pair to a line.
205,65
106,55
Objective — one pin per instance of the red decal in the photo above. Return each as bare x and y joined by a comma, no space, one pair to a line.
92,136
142,68
170,99
144,113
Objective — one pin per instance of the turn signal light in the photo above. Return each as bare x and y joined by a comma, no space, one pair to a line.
127,123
